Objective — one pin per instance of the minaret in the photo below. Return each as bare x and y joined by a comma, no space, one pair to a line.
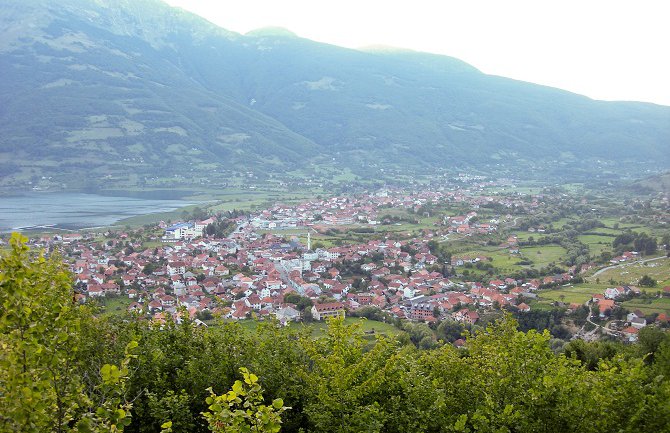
309,241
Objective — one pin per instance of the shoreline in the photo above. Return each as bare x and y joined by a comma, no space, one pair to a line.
71,212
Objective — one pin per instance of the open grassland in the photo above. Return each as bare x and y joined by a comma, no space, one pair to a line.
648,306
402,226
116,305
368,326
630,273
336,235
523,235
543,255
597,244
577,294
318,329
153,218
561,223
501,260
540,305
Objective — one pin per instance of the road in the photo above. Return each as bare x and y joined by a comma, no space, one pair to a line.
590,335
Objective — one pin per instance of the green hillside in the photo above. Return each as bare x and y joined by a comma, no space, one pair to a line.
136,93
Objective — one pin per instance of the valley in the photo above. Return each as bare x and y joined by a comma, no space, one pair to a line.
426,254
208,230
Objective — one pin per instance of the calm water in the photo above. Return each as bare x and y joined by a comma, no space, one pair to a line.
75,211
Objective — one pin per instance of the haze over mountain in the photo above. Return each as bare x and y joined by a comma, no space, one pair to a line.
137,91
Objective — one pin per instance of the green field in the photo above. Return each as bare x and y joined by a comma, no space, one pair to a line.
116,305
561,223
659,305
630,273
597,244
504,262
524,235
570,294
318,329
543,255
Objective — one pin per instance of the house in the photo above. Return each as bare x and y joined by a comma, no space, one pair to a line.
287,314
605,306
221,270
638,322
332,309
466,316
422,311
523,307
630,334
176,268
615,292
135,307
634,314
95,291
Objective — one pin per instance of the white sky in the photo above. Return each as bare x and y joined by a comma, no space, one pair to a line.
605,49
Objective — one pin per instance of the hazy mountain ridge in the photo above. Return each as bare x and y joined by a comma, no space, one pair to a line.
138,88
659,183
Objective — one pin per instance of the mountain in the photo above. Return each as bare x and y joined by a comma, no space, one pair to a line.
136,93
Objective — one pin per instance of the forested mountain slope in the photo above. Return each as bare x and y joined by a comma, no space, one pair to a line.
109,89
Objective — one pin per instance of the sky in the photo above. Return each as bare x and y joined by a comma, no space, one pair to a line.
604,49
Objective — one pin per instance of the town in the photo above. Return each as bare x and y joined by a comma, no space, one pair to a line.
280,263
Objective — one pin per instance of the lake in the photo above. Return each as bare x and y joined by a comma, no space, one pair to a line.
75,211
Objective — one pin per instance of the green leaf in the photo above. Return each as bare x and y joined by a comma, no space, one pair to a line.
238,388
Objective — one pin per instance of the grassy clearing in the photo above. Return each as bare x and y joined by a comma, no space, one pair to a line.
424,223
152,244
318,329
116,305
524,235
153,218
561,223
571,294
504,261
540,305
543,255
597,244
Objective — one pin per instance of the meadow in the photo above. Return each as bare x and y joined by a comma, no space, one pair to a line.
630,273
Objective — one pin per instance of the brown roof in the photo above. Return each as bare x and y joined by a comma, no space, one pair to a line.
332,306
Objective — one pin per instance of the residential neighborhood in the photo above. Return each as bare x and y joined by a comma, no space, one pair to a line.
268,262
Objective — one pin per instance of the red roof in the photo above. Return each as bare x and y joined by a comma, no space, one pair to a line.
332,306
631,330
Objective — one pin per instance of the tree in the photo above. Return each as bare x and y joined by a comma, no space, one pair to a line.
42,368
241,409
450,331
647,281
39,326
650,340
